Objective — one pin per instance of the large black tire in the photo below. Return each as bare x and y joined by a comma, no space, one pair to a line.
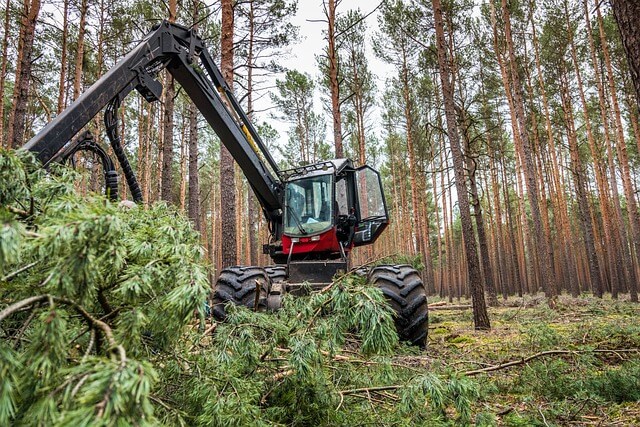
362,271
277,273
238,285
403,288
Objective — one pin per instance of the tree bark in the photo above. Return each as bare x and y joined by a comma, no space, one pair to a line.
3,70
166,187
77,80
252,211
408,116
227,170
17,116
62,85
480,315
184,154
194,184
334,84
626,13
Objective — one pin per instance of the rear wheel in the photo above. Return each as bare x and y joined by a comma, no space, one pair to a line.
403,288
239,285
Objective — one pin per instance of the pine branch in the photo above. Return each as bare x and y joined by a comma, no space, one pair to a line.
106,329
542,354
21,213
10,276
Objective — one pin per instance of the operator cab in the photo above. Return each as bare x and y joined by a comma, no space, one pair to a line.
330,207
308,205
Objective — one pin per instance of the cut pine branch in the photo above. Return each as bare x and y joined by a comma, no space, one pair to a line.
543,354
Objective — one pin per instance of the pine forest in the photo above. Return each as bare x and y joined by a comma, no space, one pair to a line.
506,138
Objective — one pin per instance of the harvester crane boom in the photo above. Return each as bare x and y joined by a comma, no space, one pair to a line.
182,52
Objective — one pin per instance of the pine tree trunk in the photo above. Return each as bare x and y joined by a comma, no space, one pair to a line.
3,71
146,176
194,183
17,116
239,209
436,209
252,211
500,251
77,80
626,13
480,315
184,154
334,83
408,116
227,171
446,263
62,85
166,187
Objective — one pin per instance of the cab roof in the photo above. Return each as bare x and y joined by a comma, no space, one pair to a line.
334,166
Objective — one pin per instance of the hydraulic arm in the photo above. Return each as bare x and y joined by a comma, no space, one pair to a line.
181,51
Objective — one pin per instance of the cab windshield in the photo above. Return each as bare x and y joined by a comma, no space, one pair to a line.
308,206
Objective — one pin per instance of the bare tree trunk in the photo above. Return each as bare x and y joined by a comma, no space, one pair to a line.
480,315
408,116
239,209
227,170
254,219
77,80
17,116
500,251
626,13
446,264
62,86
194,187
166,187
334,83
194,180
184,154
3,70
437,283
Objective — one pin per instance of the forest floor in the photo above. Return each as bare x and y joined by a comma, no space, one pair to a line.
576,365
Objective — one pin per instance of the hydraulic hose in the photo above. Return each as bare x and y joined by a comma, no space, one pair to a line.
111,125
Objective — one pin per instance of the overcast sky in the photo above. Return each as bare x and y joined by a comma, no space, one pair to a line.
303,54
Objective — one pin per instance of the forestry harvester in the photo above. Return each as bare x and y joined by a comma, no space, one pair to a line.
316,213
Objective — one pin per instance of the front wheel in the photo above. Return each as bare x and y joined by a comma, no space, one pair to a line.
239,285
407,295
277,273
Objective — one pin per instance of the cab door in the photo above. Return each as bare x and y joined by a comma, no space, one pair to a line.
371,206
